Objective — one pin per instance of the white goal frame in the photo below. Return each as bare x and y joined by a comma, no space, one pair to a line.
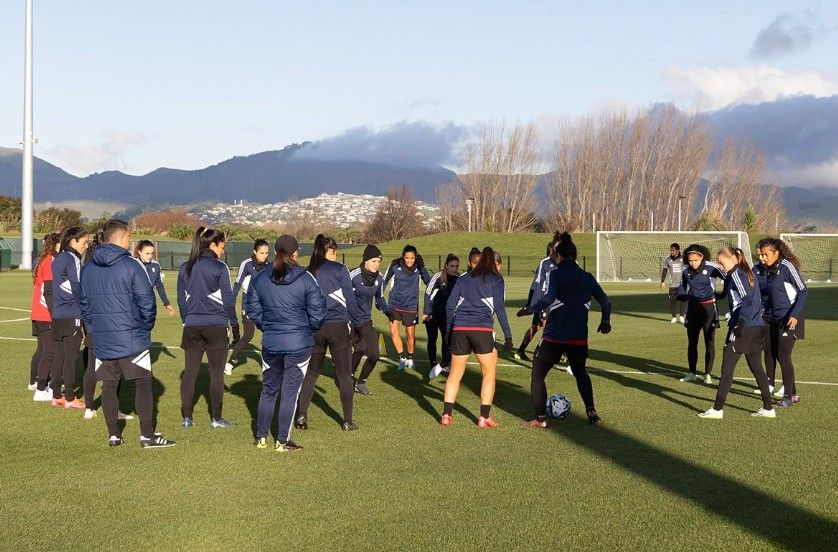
785,237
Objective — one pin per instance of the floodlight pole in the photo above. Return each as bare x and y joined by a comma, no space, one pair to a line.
26,196
469,205
679,211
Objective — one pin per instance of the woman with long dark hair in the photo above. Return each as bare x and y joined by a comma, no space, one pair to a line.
144,251
567,299
341,311
403,302
249,268
537,289
476,299
66,316
207,305
436,298
42,318
786,295
367,284
745,333
286,304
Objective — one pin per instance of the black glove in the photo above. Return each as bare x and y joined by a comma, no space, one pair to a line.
508,345
236,335
737,328
523,312
390,315
604,327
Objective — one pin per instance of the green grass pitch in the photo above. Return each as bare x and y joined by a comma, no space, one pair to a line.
652,476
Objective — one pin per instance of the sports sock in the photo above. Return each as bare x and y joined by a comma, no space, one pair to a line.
484,410
447,408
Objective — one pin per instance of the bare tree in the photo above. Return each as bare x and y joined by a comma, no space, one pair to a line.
396,218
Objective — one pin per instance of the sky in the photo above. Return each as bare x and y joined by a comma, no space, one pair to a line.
134,86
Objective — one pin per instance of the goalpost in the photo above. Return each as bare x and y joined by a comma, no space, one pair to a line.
818,254
634,256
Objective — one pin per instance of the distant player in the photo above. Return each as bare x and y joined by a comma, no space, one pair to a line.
41,316
367,285
144,251
248,269
403,301
673,267
436,299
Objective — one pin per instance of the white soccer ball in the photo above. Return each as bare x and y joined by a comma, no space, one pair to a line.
558,406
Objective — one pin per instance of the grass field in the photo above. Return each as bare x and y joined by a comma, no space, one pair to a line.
652,476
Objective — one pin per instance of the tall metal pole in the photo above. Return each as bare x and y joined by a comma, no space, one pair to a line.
679,214
26,196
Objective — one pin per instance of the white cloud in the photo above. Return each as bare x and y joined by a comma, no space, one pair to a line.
822,174
105,156
709,88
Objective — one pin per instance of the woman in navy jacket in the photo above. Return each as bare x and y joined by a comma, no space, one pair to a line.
286,304
745,333
698,289
786,295
367,284
207,305
66,316
144,251
403,302
436,300
476,299
341,310
247,271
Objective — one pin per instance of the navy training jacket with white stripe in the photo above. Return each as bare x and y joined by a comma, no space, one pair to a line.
336,286
155,275
364,294
568,301
66,272
787,293
247,270
539,283
699,285
205,297
437,293
744,300
404,293
474,301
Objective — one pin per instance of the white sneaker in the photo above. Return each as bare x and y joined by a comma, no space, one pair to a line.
763,413
409,363
42,396
712,414
120,415
689,377
228,369
32,387
707,379
674,320
682,320
435,371
770,390
568,369
780,392
89,414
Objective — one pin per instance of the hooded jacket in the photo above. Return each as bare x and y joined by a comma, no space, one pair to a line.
288,310
205,297
117,303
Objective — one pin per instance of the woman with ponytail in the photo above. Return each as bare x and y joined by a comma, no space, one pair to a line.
786,295
341,312
403,302
144,251
745,333
286,304
67,329
207,305
436,298
476,299
249,268
42,318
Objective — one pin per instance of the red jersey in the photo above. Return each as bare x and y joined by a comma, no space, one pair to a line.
40,312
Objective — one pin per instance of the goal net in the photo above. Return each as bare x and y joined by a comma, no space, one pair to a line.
638,256
818,254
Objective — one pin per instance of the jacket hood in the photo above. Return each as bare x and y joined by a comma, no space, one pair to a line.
108,254
294,273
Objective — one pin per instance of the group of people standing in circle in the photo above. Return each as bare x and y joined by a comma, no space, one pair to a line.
765,316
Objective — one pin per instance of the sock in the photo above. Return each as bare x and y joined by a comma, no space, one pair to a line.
541,418
403,355
484,410
447,408
410,356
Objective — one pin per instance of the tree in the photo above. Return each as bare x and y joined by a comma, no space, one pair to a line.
54,219
10,213
396,218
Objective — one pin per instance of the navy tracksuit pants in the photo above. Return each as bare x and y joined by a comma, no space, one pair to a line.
282,377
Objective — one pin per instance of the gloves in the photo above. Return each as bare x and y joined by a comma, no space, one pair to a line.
523,312
508,345
737,328
604,327
236,335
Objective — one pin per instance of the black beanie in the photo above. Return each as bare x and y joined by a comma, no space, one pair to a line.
371,252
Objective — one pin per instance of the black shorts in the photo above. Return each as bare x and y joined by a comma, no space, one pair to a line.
40,327
130,368
407,318
66,327
465,342
205,338
551,353
750,340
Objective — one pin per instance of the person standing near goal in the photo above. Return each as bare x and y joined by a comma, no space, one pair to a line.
698,290
247,271
673,267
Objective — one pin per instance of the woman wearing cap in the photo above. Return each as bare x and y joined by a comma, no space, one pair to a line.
367,285
286,304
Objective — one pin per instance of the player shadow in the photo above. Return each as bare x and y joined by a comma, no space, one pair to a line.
249,388
413,384
157,350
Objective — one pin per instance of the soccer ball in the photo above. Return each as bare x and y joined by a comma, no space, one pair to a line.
558,406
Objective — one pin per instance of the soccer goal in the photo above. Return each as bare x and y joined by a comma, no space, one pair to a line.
818,254
638,256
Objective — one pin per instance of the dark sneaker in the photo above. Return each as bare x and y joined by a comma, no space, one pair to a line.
361,388
187,422
301,423
222,423
349,426
158,441
593,417
521,354
114,441
787,401
288,446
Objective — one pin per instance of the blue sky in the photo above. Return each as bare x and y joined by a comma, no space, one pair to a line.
138,85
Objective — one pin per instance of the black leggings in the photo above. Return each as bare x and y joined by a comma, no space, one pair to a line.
335,336
701,318
89,382
676,307
778,350
249,330
436,326
366,345
196,341
46,346
143,403
546,355
66,353
749,344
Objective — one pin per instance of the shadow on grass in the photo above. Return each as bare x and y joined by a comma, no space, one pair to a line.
413,384
249,388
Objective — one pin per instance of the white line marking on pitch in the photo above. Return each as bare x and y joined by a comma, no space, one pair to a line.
15,320
14,309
